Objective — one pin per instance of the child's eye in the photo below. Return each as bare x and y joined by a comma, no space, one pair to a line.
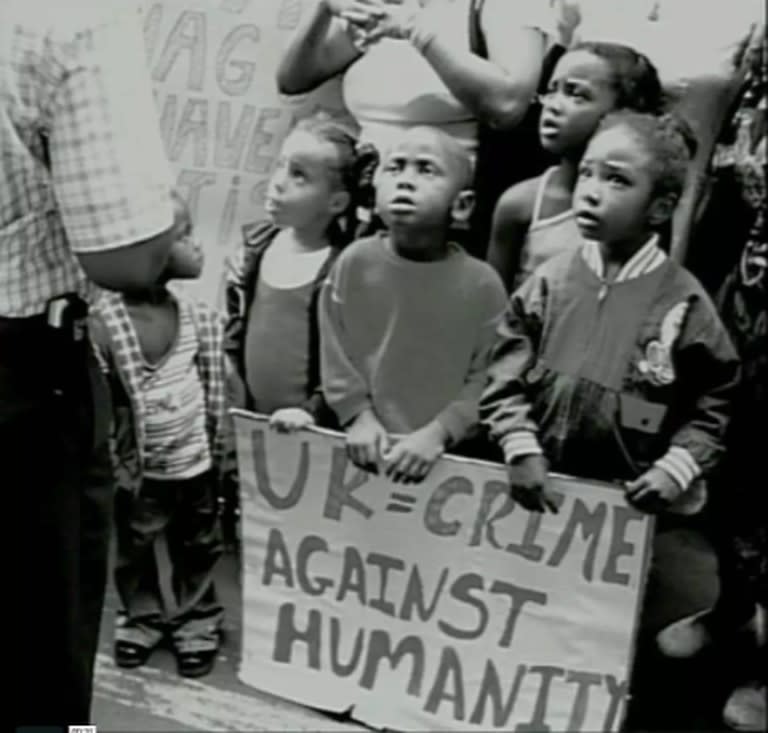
574,92
298,174
584,171
617,180
426,168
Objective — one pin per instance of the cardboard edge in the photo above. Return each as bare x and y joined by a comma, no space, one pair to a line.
258,418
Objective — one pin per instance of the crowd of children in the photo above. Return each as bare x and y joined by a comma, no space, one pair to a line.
609,360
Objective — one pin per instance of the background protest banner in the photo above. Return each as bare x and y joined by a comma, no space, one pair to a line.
213,63
439,606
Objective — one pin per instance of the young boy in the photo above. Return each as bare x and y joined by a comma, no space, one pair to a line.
408,318
611,361
164,357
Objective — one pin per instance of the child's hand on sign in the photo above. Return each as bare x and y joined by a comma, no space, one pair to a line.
654,491
291,419
528,483
413,456
367,441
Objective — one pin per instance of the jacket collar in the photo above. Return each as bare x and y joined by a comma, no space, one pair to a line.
647,259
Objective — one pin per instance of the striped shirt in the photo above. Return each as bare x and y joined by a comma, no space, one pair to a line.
176,444
121,358
75,97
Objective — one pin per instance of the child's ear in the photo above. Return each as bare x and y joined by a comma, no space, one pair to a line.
463,206
340,201
661,209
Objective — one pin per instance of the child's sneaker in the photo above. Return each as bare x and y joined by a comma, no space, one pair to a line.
196,650
745,709
690,635
134,642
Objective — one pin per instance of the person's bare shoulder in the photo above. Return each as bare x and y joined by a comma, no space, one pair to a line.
516,204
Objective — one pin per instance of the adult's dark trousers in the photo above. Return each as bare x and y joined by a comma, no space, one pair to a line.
737,520
57,481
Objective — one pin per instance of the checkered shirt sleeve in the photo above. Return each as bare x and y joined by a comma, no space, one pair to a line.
110,175
211,363
83,167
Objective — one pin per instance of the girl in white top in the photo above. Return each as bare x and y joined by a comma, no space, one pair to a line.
694,45
533,220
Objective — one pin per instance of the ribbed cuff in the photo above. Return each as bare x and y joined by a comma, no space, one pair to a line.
520,443
680,465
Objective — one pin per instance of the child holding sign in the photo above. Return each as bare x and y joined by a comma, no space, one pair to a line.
611,362
408,318
164,358
274,283
534,219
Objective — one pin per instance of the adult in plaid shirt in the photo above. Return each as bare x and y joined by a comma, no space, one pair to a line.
84,199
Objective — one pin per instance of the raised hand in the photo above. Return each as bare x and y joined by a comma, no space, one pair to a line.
363,13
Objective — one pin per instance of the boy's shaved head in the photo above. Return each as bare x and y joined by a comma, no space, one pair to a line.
442,145
424,182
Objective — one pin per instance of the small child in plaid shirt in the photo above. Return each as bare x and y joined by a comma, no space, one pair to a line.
163,354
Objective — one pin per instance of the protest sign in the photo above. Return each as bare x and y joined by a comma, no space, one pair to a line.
439,606
214,64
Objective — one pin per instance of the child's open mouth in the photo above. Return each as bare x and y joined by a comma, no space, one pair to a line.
402,205
587,221
549,128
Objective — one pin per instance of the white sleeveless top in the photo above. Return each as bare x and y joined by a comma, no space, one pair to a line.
546,238
393,87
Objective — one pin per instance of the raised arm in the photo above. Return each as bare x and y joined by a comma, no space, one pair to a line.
322,46
498,89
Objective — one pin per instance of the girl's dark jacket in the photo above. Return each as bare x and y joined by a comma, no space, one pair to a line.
241,283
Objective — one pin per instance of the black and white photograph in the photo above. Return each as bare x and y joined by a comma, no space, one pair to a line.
385,365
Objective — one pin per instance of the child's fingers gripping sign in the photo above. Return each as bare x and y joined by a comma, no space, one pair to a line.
528,484
291,419
404,466
654,491
412,457
367,441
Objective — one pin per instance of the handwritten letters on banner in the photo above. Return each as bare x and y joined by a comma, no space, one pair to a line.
439,606
213,64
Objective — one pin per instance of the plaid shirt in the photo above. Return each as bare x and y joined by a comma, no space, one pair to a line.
82,165
120,356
